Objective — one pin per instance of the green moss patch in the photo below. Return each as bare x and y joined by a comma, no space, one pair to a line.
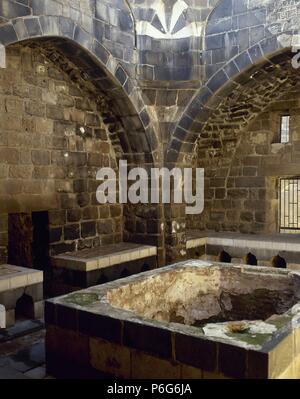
82,299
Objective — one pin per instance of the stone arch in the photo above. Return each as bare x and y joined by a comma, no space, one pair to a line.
24,307
250,259
224,257
235,73
131,16
228,54
278,262
134,147
105,69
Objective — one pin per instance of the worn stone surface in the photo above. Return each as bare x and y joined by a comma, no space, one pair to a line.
137,338
197,296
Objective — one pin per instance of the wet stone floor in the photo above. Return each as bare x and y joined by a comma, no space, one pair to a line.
23,357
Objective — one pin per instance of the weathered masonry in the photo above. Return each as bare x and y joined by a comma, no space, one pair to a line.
203,83
213,84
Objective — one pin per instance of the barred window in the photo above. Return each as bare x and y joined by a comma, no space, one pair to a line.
290,205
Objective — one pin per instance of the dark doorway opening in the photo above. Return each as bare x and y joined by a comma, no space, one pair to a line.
28,240
250,259
24,308
224,257
279,262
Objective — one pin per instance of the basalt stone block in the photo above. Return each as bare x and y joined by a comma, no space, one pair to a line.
215,42
243,60
7,35
224,25
105,227
13,10
145,118
257,365
66,317
57,249
55,234
148,339
128,87
125,21
73,215
90,213
33,26
242,182
88,229
224,9
50,313
121,75
186,122
80,185
231,69
180,134
172,155
78,158
66,26
99,326
50,25
99,30
57,217
40,157
204,95
269,45
252,18
197,353
82,200
101,11
176,145
20,28
72,232
194,108
38,7
232,361
217,81
83,38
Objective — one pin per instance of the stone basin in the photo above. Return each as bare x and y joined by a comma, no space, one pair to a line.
189,320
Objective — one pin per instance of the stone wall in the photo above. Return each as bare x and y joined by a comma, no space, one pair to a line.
165,66
52,142
243,165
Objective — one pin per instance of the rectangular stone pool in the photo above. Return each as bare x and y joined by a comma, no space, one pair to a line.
190,320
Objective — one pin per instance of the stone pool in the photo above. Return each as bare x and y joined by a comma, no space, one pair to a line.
194,319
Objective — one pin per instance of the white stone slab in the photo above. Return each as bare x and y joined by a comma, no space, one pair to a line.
118,253
277,242
12,277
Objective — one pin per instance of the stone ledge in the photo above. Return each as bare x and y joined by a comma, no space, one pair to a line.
279,242
12,277
102,257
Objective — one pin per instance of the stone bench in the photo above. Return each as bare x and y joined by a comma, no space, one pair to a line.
88,267
264,247
21,294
